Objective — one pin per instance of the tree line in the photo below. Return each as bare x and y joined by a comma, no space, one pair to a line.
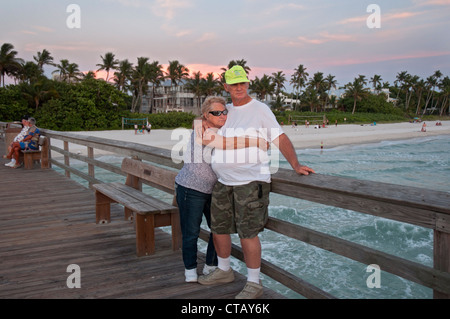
410,94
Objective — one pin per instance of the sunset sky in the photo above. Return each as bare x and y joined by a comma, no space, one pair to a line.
330,36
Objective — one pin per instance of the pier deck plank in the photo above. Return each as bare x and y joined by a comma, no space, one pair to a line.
47,222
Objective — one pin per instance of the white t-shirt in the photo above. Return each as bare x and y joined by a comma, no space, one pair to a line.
242,166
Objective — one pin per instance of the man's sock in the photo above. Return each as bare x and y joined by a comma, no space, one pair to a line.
223,263
253,274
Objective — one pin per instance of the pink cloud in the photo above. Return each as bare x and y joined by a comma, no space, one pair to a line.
323,37
384,17
417,55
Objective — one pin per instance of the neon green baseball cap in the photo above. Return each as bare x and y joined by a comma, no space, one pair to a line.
235,75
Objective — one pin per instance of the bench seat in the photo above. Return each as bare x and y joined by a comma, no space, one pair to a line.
133,199
146,211
42,155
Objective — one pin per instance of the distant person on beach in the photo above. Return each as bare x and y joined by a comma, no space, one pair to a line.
240,198
196,179
30,141
19,138
148,127
424,127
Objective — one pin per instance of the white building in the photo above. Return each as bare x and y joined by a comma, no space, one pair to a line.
166,98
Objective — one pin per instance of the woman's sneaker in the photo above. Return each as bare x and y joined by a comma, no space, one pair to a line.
208,269
218,276
191,275
12,163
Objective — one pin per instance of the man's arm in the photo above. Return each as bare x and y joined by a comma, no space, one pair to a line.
284,144
212,139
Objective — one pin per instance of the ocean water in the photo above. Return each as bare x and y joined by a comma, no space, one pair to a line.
421,162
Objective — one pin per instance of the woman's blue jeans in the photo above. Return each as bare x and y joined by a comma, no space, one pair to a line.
193,205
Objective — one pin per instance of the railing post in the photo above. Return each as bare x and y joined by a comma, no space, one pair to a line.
91,168
66,158
49,152
441,257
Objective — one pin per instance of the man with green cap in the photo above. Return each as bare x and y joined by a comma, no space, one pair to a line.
240,198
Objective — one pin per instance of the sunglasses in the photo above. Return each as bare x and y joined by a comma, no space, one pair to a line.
219,113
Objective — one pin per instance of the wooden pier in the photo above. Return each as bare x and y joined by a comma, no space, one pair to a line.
47,222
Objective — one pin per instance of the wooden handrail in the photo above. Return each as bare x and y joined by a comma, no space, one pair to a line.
422,207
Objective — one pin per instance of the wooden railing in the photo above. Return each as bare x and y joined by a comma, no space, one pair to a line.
422,207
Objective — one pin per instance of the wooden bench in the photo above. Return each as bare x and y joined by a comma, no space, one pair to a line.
146,211
42,155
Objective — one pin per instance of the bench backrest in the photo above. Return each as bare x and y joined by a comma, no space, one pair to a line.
42,140
155,176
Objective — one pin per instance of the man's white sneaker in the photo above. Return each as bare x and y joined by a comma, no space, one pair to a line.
10,164
251,290
218,276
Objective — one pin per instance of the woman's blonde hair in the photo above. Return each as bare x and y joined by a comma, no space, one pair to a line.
209,101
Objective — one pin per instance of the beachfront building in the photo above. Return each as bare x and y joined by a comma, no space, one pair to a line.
388,96
170,98
167,98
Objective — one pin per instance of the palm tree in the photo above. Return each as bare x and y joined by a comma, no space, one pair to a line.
262,86
311,98
437,75
156,76
411,83
73,72
431,84
194,84
445,90
376,82
123,75
62,69
43,58
298,79
90,75
330,83
401,77
318,83
278,79
356,90
420,86
176,72
108,63
211,85
140,78
8,61
39,91
29,72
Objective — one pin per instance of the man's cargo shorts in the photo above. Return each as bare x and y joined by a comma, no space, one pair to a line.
241,209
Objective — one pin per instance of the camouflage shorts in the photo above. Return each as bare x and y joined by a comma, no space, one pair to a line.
240,209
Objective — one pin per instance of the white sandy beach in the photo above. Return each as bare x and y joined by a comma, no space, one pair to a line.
301,137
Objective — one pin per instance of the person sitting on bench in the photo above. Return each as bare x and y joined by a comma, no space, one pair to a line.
30,141
19,138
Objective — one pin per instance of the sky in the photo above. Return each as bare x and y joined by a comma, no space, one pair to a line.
343,38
